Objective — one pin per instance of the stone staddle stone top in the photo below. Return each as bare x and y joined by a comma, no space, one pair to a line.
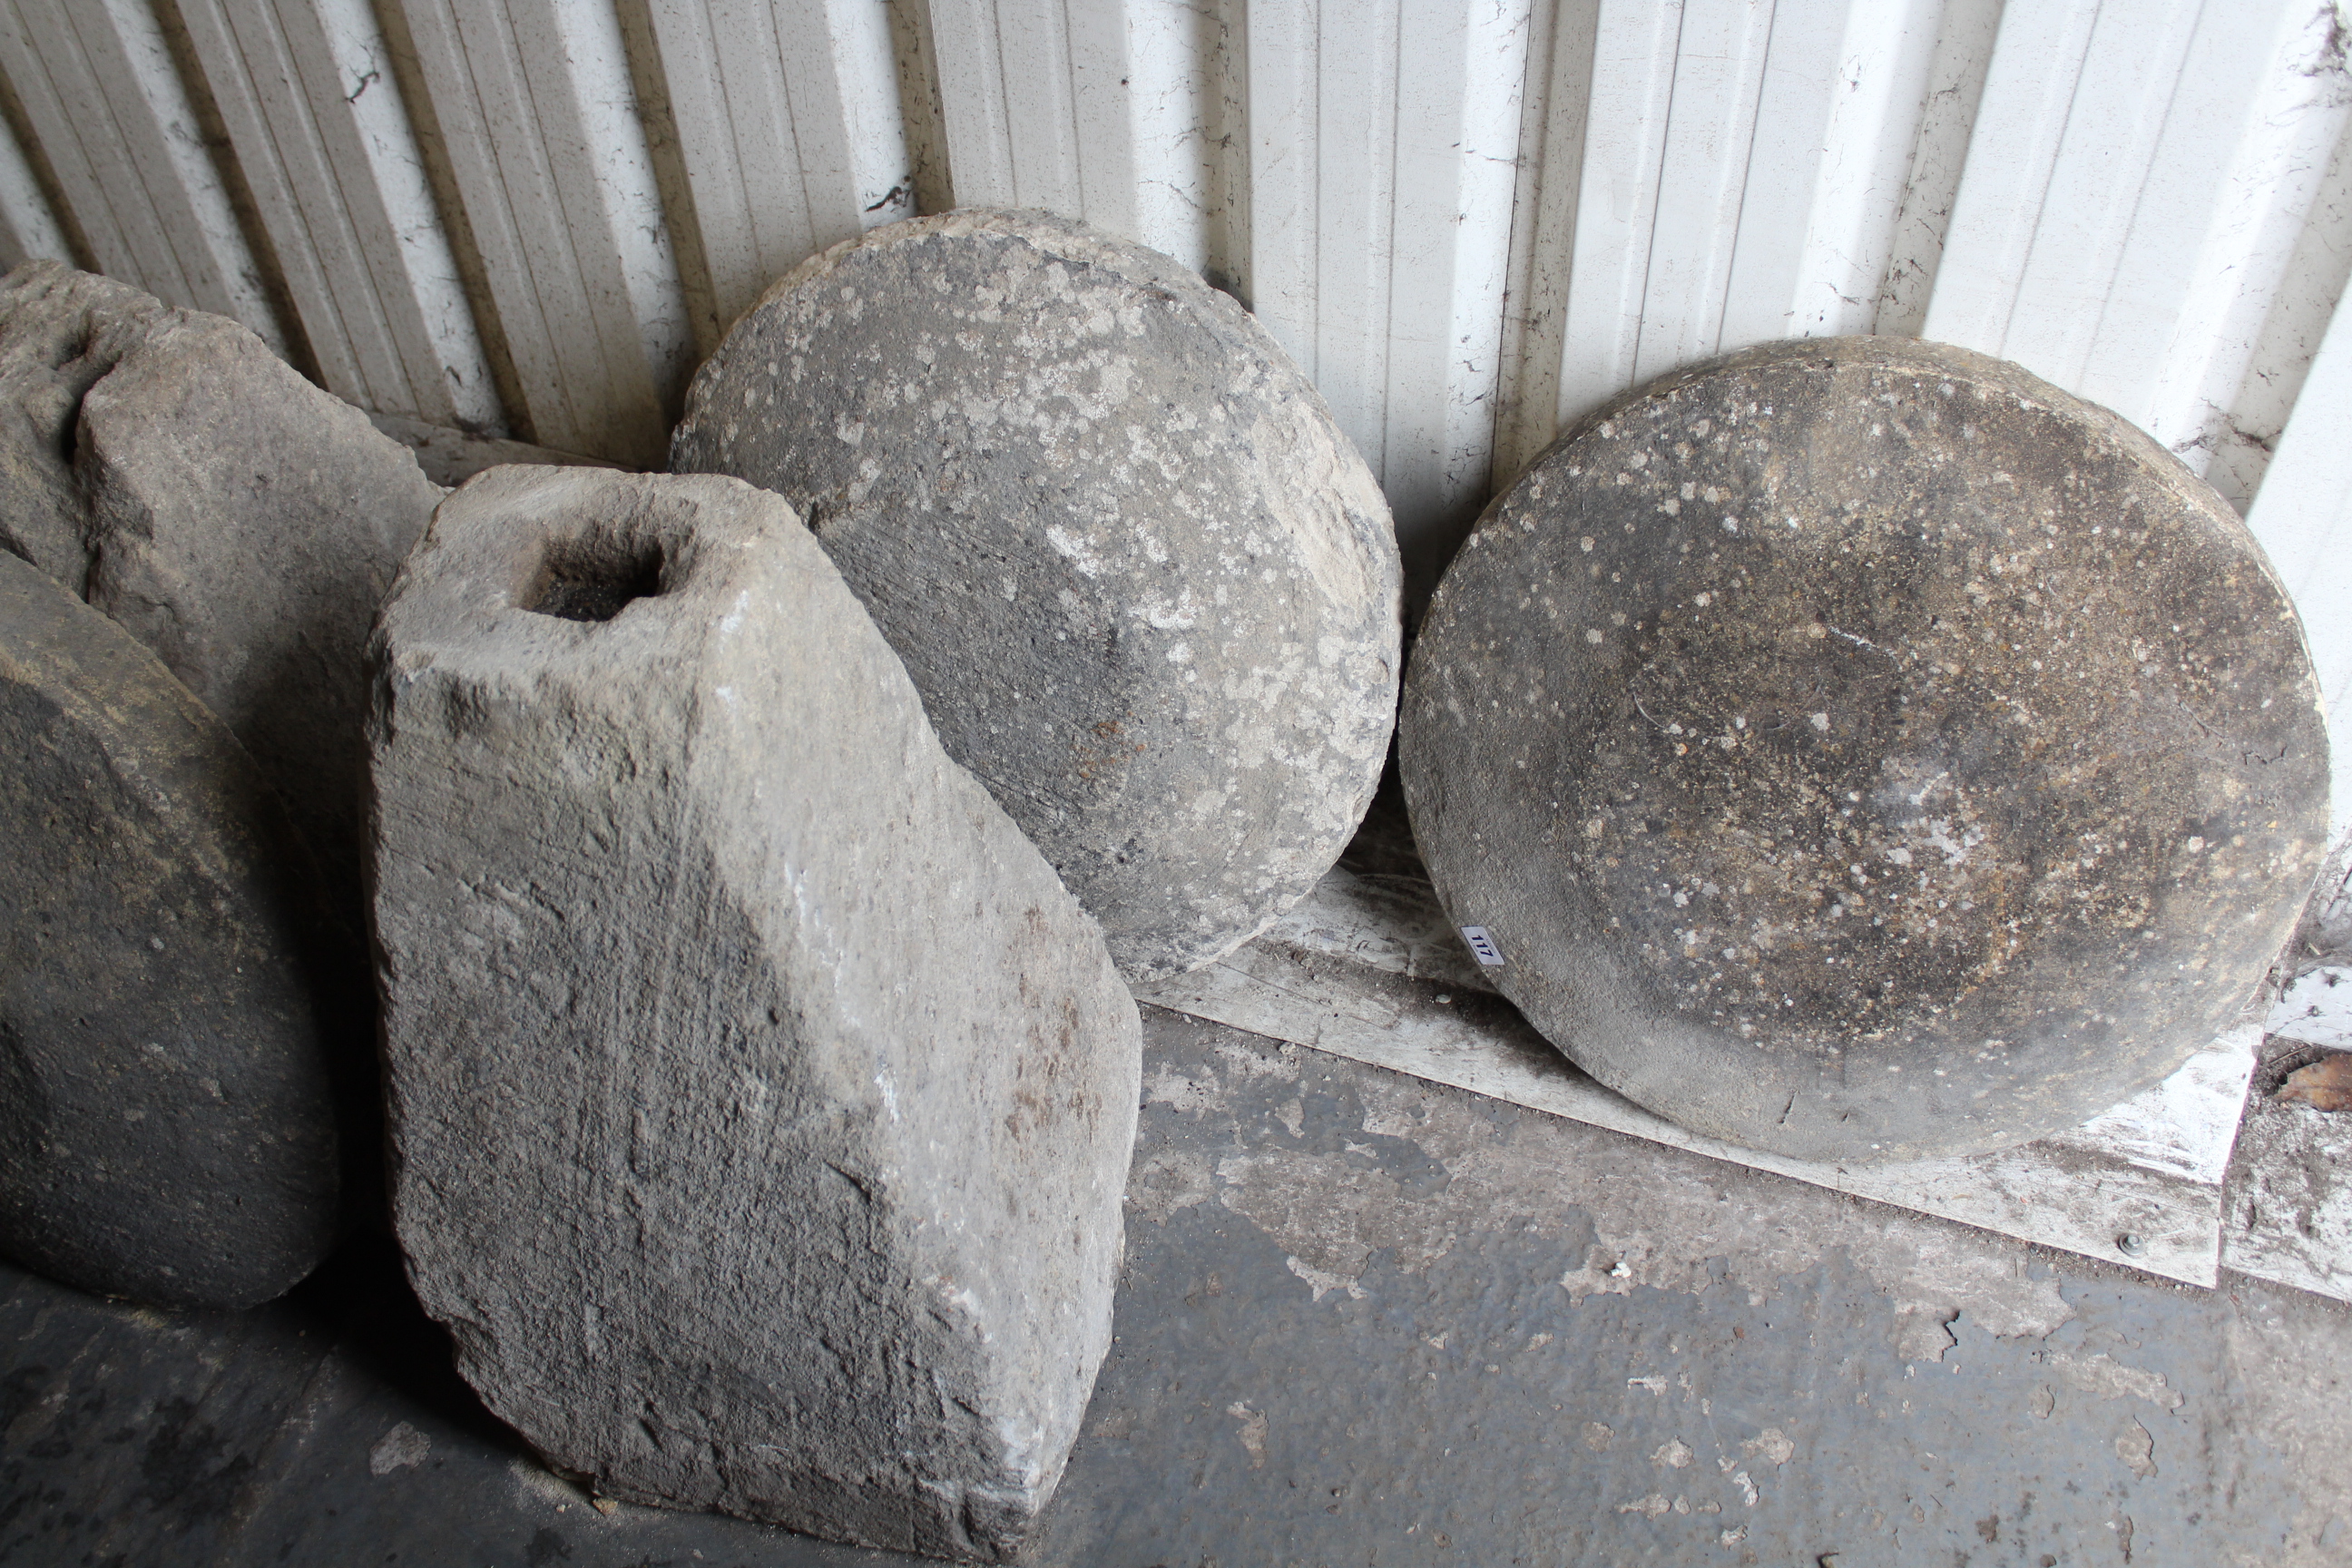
760,1104
1861,750
167,1127
61,331
1149,591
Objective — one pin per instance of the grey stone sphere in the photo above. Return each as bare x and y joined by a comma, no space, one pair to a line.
1861,750
1147,590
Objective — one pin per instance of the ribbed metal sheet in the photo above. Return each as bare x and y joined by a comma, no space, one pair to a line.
1470,220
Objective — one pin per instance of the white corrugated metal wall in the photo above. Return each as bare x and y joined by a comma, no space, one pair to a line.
1469,220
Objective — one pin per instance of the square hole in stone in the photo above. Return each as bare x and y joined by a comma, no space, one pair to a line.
593,580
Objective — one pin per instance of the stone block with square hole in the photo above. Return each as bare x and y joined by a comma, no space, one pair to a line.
760,1104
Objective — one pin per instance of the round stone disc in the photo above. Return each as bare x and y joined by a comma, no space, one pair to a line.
1147,588
167,1122
1859,749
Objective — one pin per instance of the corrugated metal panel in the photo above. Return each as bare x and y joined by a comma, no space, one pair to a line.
1470,220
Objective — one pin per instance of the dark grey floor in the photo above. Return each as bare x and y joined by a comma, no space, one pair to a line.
1364,1320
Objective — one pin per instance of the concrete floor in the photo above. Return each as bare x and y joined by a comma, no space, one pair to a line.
1364,1320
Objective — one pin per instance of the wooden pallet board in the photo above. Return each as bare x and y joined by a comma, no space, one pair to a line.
1367,968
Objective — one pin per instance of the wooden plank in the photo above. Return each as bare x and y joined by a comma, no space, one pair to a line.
28,223
1353,198
863,47
1367,969
1191,138
2303,516
2244,151
449,458
283,96
1457,137
1939,148
2014,146
763,174
1034,96
101,92
1842,91
557,221
1380,221
2289,1215
358,74
1625,152
1711,123
1545,202
1282,84
2105,161
2310,282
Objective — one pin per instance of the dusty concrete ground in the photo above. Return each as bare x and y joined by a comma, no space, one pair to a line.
1364,1320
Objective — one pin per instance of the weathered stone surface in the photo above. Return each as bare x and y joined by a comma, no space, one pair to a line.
450,456
1862,750
166,1126
244,525
1147,590
761,1104
60,330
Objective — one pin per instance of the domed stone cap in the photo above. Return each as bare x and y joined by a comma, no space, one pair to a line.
1861,750
1147,588
167,1046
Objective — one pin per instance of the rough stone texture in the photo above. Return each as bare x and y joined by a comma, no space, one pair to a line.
760,1104
165,1124
60,330
1147,590
450,456
244,525
1862,750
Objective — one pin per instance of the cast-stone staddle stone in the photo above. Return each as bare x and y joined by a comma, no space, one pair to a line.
246,525
760,1104
1861,750
1148,591
60,330
166,1126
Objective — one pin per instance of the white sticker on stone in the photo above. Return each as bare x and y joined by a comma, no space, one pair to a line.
1482,947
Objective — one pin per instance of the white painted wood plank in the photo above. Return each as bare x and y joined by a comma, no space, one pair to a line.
1189,132
535,170
2312,280
98,85
866,73
2303,516
2289,1215
1800,84
2246,149
1354,196
357,73
762,147
2013,145
1883,74
1956,79
28,223
1543,233
1283,83
273,73
973,112
1035,98
1843,88
1710,123
1102,120
1617,201
1456,138
449,458
1363,971
2105,165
